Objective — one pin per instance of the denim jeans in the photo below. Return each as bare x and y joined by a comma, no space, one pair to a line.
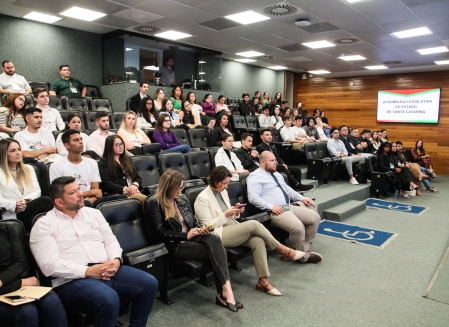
102,298
425,181
183,148
48,312
206,248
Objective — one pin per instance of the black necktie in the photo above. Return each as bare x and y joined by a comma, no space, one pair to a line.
287,199
171,115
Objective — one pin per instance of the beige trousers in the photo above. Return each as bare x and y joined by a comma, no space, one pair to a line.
301,222
255,236
139,196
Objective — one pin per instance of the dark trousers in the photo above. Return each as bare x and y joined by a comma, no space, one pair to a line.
104,199
206,248
34,207
293,174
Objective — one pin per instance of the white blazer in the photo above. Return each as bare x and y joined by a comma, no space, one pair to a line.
9,194
208,211
222,159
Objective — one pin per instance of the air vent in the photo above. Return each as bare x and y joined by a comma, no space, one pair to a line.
280,10
292,47
265,58
147,29
392,62
347,41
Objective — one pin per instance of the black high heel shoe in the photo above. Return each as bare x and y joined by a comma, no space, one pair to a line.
228,305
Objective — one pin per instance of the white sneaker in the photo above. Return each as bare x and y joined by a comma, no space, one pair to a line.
353,181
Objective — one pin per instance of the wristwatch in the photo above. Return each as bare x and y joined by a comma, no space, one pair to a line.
119,259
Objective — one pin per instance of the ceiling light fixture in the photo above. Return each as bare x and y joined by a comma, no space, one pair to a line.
172,35
319,44
442,62
376,67
245,60
354,1
43,18
250,54
412,33
247,17
129,49
277,67
83,14
318,72
302,22
201,73
432,50
201,62
152,67
304,76
352,58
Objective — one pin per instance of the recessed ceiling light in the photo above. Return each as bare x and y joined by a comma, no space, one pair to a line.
172,35
432,50
319,72
376,67
250,54
43,18
201,73
442,62
247,17
354,1
202,80
202,62
319,44
277,67
412,33
352,58
129,49
152,67
83,14
245,60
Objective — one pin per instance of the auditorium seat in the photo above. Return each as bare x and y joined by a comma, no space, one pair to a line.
29,100
55,102
176,161
89,121
65,113
148,169
43,85
92,91
199,164
116,119
101,104
76,103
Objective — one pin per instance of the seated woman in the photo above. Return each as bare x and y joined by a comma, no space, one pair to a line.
326,125
177,95
311,130
414,167
222,129
419,156
168,140
375,140
20,193
221,105
74,122
12,113
277,100
254,107
146,115
171,219
47,312
387,162
187,117
158,98
226,157
198,112
320,129
117,172
276,119
212,206
133,137
207,105
286,112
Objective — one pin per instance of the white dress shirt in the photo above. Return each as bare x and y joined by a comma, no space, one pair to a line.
98,139
222,159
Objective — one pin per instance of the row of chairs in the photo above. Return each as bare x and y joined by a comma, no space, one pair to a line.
91,90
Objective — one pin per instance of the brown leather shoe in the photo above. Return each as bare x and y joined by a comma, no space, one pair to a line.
314,258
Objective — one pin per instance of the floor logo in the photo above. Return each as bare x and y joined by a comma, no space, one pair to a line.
395,206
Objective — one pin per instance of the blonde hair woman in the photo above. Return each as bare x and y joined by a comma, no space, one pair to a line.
133,137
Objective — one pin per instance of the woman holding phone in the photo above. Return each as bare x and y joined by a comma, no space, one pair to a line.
171,219
212,206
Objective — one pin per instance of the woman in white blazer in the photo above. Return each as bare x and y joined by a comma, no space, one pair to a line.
20,194
225,157
212,206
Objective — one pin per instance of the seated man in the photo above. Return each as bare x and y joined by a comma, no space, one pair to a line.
75,246
51,118
135,100
352,144
265,120
36,142
364,139
337,148
290,211
99,136
293,173
10,82
66,85
294,134
85,170
249,158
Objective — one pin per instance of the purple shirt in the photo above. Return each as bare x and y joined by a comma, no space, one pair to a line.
167,140
208,107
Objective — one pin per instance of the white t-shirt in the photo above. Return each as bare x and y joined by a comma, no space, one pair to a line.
35,141
52,120
88,145
85,173
14,83
287,133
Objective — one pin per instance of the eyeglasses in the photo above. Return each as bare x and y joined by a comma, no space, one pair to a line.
21,99
119,145
165,120
149,103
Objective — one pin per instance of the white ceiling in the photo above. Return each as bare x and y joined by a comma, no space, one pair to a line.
370,21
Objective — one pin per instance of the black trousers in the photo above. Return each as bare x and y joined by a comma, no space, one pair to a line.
293,173
33,208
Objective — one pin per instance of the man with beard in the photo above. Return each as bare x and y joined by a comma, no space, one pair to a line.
10,82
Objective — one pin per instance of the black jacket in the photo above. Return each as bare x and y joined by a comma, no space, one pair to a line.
265,147
246,159
245,109
215,136
349,145
114,186
385,161
169,231
135,102
12,263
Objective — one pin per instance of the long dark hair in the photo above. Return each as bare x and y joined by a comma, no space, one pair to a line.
188,97
127,166
181,97
380,151
421,150
142,110
160,122
69,118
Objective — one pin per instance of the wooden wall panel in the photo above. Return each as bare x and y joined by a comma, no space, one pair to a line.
356,106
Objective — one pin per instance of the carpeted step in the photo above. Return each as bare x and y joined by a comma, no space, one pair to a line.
344,210
305,181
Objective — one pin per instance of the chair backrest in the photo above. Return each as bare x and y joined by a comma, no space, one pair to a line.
128,104
148,169
101,104
322,149
310,151
29,100
372,164
199,163
92,91
237,194
47,177
17,227
76,103
252,121
192,193
175,161
212,154
181,134
89,121
276,135
40,179
127,222
55,102
65,113
231,101
237,122
116,119
198,138
44,85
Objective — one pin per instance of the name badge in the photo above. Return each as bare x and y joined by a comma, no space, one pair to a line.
351,145
137,144
73,89
48,124
16,87
391,165
15,126
152,119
